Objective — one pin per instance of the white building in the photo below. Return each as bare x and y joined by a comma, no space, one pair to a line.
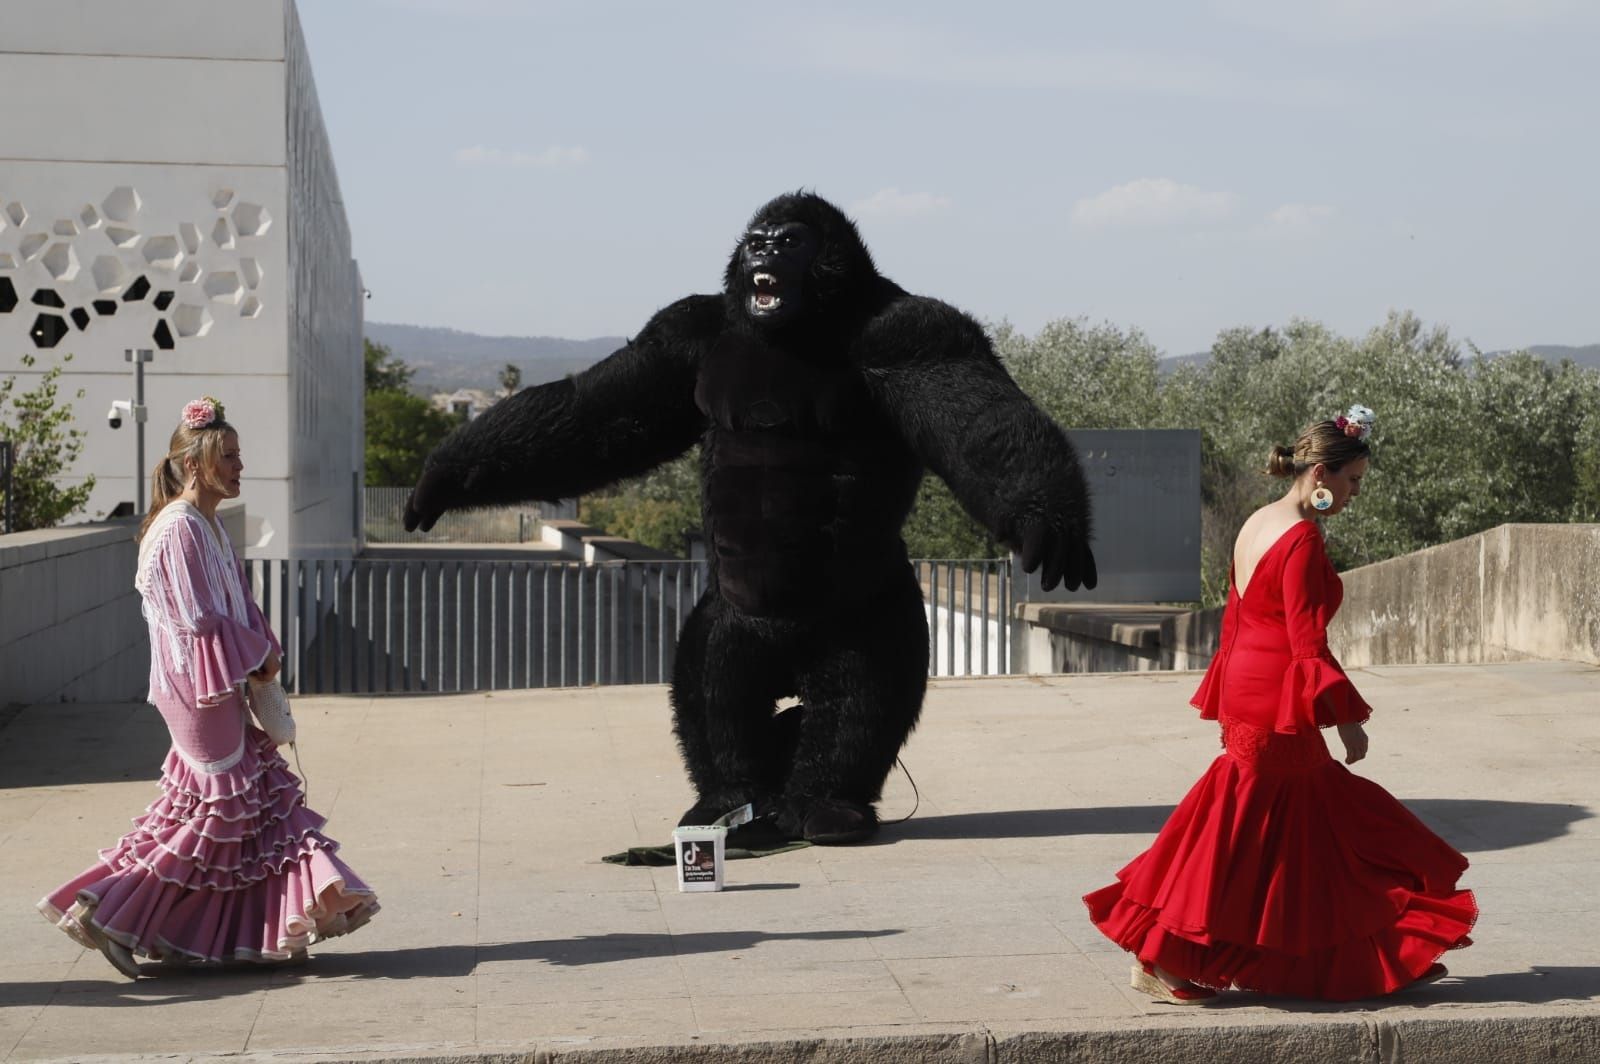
166,182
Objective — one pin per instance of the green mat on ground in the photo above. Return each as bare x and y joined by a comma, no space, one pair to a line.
666,856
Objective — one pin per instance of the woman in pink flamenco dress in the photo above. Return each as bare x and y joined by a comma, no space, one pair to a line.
228,864
1281,871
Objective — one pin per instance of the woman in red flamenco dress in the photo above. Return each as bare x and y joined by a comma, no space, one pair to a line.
1281,871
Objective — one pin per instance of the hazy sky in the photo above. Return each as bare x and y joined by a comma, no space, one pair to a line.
566,169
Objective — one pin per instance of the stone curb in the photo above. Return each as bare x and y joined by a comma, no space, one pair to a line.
1350,1039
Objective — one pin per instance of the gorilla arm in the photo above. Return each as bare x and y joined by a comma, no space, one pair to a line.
620,417
935,373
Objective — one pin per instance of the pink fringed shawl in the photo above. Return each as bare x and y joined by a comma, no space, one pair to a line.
206,633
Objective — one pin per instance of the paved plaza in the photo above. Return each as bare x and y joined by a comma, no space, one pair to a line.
956,936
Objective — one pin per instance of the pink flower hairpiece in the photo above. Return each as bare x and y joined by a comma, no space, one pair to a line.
198,413
1358,422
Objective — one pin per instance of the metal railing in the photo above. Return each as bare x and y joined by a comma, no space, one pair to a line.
371,625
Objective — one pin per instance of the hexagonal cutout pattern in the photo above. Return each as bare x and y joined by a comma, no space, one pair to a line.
189,233
163,300
122,238
18,214
190,272
137,290
32,245
223,286
61,261
65,227
109,274
250,270
89,217
163,252
122,204
191,321
8,296
80,318
163,336
48,297
48,329
222,198
221,235
105,307
251,219
250,308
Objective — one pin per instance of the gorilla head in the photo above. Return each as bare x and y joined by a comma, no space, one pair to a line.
799,258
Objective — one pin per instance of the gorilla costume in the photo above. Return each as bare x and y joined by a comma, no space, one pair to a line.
819,391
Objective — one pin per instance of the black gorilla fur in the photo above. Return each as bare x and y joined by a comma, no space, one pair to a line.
816,421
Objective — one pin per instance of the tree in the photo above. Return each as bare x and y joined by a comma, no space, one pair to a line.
655,509
45,446
401,427
510,378
385,372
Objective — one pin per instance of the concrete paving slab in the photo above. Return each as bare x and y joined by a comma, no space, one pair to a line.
957,936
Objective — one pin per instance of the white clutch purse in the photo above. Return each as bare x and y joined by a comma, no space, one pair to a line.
270,704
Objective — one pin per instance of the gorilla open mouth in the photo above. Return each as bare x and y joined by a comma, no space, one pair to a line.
766,299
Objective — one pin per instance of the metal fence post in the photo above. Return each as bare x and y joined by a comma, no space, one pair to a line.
7,456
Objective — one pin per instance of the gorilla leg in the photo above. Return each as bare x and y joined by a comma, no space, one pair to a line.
726,680
862,683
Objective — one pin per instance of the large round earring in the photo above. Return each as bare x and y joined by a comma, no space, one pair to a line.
1322,498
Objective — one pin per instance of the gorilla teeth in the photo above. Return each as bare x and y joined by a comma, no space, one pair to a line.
763,280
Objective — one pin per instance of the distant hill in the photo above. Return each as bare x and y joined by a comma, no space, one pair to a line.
447,359
1588,356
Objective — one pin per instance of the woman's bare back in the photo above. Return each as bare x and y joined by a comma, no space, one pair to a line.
1256,536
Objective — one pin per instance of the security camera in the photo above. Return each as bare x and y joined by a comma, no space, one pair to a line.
118,408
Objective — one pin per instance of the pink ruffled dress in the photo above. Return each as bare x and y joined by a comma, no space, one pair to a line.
228,864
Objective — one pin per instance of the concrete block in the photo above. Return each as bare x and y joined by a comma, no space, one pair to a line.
26,602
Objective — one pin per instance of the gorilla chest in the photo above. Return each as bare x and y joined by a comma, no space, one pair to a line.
799,467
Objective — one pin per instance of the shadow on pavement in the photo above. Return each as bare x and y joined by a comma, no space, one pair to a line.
1471,825
423,962
1540,985
82,743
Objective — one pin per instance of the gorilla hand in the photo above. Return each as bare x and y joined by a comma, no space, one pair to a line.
1062,550
438,490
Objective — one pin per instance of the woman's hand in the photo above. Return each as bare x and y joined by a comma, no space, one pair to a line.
1354,737
269,668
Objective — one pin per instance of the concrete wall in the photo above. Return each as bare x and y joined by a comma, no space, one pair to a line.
1512,593
1145,488
70,625
169,183
325,307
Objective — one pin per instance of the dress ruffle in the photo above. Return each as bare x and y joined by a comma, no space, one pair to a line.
228,865
1317,692
1283,872
223,657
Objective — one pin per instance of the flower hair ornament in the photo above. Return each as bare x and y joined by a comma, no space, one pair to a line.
199,413
1357,422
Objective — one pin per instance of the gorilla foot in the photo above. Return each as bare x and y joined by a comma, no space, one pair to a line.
838,822
708,810
762,833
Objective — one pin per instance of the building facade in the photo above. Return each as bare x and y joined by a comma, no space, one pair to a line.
169,185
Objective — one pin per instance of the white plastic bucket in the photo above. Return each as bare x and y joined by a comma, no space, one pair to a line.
701,853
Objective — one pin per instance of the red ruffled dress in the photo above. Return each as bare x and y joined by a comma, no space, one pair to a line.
1281,871
228,863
